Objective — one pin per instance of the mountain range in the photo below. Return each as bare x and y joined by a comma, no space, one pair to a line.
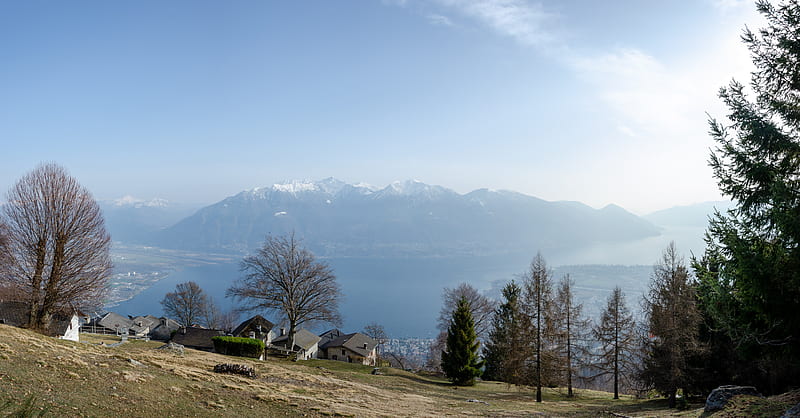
408,218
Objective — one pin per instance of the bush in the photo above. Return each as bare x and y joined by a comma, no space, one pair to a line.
238,346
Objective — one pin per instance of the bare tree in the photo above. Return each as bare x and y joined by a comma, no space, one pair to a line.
435,348
618,341
188,303
375,331
481,308
216,318
286,278
57,243
570,328
673,322
537,318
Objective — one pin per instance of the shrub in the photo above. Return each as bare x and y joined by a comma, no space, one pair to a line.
238,346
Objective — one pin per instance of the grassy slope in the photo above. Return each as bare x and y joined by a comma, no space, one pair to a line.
78,379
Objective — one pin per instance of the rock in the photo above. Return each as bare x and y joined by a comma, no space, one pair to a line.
172,347
135,363
720,396
377,370
793,412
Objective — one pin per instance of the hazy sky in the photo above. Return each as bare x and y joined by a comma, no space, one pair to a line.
193,101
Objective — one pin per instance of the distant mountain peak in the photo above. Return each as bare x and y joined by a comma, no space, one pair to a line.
130,201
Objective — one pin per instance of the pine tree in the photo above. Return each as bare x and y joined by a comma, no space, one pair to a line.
673,323
571,329
750,273
617,337
501,353
460,359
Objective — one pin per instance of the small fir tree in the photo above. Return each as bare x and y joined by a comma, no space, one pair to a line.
460,361
503,363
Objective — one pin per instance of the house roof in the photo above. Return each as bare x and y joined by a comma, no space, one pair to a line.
115,321
59,323
14,313
252,324
163,328
17,314
303,339
355,342
329,336
196,337
146,321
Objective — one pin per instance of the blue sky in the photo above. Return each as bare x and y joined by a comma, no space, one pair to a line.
194,101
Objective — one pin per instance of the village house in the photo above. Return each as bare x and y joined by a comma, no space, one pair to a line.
256,327
306,343
196,338
352,348
63,325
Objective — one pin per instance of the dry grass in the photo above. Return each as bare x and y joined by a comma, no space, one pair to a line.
79,379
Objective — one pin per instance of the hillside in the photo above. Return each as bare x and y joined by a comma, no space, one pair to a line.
79,379
410,218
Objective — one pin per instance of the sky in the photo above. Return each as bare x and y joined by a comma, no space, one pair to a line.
194,101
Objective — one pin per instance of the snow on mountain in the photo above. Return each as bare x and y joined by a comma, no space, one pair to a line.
130,201
408,217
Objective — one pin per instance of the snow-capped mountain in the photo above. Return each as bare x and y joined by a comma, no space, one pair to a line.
403,218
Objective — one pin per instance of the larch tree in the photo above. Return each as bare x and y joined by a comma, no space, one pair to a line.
460,361
286,278
570,330
673,323
750,272
58,246
618,342
189,304
537,324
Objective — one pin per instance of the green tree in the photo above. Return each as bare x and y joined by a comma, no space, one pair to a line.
502,353
460,358
751,268
673,324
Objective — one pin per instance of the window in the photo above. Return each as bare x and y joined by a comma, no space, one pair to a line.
343,352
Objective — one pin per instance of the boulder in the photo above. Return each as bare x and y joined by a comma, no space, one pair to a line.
793,412
173,348
720,396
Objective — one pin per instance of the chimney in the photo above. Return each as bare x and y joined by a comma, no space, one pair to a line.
365,346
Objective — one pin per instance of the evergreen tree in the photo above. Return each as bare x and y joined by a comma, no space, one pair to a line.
460,359
750,273
618,343
673,323
501,353
570,330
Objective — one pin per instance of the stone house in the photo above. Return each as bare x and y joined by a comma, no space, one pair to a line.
64,325
196,338
256,327
306,343
352,348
